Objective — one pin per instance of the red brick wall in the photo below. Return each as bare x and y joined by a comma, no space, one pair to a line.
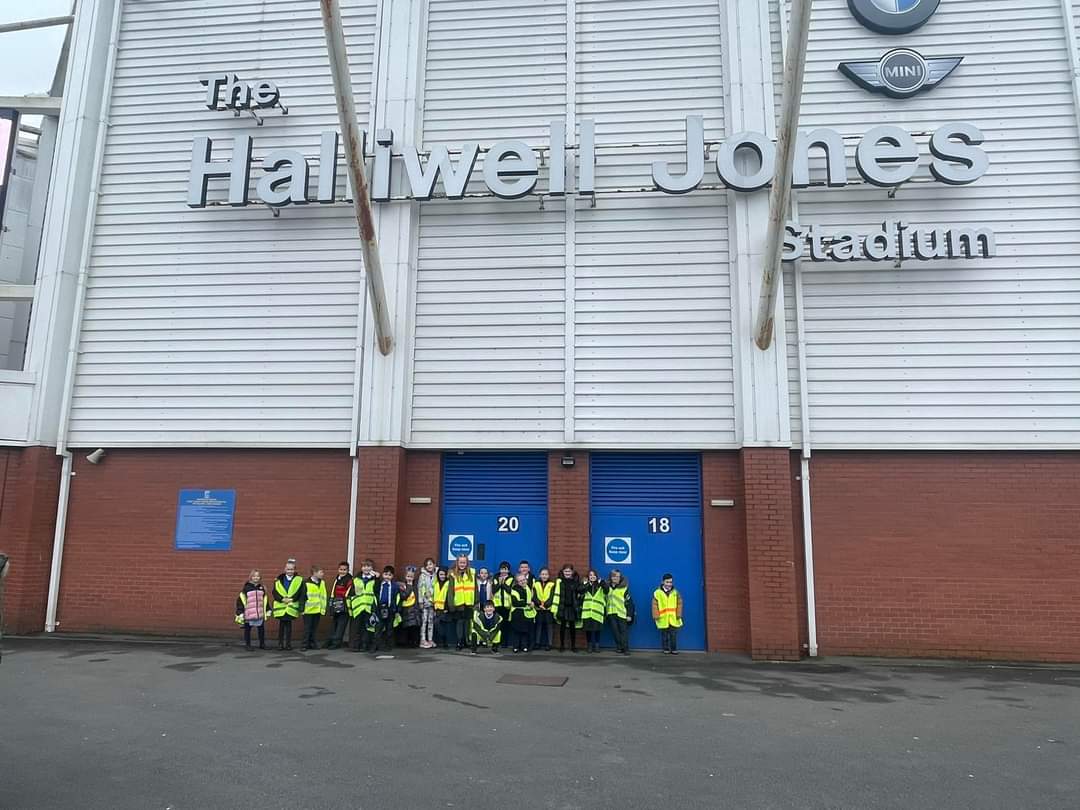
420,524
382,480
726,584
121,572
770,548
568,511
948,554
29,488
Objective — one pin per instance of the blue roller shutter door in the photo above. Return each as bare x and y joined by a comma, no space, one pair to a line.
495,508
645,514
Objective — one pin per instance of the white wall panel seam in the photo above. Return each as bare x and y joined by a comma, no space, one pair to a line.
570,213
362,328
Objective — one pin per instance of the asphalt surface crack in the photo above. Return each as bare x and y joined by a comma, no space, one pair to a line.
317,691
449,699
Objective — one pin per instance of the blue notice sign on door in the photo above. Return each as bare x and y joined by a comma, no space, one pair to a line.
204,519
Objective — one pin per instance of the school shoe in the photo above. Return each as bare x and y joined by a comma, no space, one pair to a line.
547,648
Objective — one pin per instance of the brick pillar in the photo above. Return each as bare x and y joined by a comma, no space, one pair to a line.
419,525
29,488
727,601
568,511
379,503
770,551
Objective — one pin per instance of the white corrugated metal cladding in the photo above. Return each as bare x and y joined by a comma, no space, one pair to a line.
218,326
953,354
572,324
519,339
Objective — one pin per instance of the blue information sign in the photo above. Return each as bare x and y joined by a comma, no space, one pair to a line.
617,550
204,519
461,544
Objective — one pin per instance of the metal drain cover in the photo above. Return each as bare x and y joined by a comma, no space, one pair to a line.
534,680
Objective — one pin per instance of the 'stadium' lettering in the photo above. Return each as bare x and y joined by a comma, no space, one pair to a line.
885,156
895,241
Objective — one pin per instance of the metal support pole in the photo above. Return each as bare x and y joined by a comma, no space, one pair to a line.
780,194
354,154
44,22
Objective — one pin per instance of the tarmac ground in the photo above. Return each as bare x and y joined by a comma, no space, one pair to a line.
118,724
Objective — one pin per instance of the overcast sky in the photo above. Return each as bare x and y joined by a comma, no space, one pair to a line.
28,58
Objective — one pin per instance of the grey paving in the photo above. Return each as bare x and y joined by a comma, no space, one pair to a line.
113,724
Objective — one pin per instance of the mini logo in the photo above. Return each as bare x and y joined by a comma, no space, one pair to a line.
900,73
893,16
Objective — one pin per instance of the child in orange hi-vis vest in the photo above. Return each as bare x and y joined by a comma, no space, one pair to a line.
667,613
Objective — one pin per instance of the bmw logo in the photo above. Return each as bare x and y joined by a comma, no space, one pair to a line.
893,16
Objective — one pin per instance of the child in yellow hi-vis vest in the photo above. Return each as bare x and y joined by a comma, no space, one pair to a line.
593,600
486,630
314,607
289,593
667,612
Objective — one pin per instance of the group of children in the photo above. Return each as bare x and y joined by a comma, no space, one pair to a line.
460,607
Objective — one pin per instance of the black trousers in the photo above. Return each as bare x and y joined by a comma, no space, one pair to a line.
311,629
359,635
668,638
262,634
621,631
408,636
337,630
566,627
384,636
284,632
445,632
522,639
544,620
462,619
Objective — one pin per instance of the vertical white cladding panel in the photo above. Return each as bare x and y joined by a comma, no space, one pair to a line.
653,324
219,325
14,234
953,353
488,356
777,40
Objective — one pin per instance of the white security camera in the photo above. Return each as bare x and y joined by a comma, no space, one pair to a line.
96,456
